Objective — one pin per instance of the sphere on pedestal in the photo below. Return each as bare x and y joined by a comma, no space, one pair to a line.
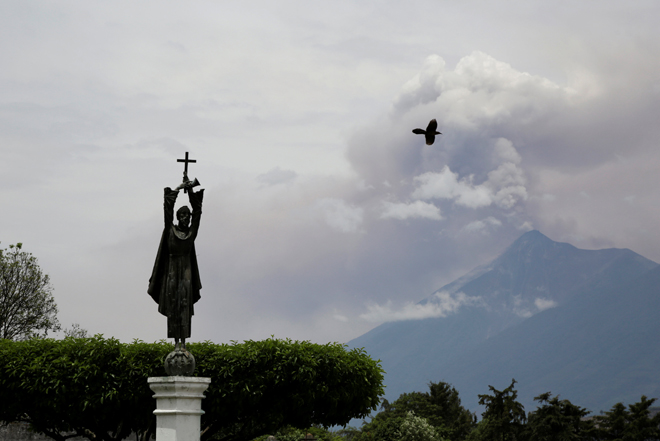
180,362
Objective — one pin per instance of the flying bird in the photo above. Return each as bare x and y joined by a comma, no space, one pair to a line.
430,132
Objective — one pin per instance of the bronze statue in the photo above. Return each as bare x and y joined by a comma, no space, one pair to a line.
175,282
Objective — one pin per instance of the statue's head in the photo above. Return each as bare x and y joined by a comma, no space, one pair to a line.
183,216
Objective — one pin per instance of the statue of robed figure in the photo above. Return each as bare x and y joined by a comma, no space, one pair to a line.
175,282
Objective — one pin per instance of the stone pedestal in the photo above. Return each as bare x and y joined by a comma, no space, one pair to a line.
178,407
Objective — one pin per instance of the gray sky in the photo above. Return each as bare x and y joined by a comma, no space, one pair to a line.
323,214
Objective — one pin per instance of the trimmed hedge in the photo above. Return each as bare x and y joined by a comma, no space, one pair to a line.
97,388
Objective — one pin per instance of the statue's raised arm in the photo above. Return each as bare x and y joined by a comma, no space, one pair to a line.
168,204
195,199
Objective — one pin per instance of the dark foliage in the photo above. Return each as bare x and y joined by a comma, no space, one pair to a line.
558,420
97,388
504,418
441,406
631,424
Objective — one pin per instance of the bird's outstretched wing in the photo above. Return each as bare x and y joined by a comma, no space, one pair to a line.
429,133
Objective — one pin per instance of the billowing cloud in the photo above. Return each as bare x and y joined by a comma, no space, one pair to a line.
505,151
340,215
504,187
481,90
542,304
482,225
440,305
528,309
417,209
277,176
446,185
340,318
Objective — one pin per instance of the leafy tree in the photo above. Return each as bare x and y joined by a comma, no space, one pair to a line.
288,433
76,331
414,428
613,424
640,426
632,424
291,433
504,418
458,421
348,433
440,406
384,429
27,307
323,434
97,388
558,420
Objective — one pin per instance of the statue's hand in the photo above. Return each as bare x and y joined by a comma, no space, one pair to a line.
196,198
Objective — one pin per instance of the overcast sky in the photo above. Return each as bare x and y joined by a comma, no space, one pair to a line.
323,214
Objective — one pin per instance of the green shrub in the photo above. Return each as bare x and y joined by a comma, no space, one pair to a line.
97,388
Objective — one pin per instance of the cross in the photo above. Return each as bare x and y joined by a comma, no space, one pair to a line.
186,161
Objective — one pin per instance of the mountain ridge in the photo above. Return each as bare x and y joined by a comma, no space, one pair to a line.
533,279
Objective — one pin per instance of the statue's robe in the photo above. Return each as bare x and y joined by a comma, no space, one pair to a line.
175,282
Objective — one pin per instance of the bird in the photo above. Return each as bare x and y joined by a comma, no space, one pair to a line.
430,132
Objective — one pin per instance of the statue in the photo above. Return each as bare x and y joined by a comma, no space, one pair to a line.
175,282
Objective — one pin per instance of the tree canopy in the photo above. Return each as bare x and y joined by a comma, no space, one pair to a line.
440,406
633,423
418,416
97,388
414,428
558,420
27,307
504,417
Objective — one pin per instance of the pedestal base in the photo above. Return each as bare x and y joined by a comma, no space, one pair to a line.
178,406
